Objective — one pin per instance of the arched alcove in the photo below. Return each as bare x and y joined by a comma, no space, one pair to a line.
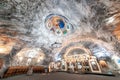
28,56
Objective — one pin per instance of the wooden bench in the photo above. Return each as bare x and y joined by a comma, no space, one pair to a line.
17,70
9,72
38,69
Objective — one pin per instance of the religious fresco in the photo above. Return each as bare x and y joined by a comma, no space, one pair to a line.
58,24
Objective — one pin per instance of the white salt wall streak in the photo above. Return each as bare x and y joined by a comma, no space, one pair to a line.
33,13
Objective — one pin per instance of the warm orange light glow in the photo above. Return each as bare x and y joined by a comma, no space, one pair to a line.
4,49
116,31
6,44
103,63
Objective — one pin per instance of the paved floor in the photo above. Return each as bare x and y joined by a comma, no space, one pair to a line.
62,76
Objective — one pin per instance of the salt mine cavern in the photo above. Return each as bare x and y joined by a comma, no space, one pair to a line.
59,39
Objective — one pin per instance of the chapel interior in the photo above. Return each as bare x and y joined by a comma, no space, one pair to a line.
59,39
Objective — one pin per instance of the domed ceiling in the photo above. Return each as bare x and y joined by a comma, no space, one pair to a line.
54,26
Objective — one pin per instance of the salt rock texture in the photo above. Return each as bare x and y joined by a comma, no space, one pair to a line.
22,22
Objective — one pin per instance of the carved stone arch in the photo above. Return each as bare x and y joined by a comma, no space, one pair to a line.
82,42
77,47
106,45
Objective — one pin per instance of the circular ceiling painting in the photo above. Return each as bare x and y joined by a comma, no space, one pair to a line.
58,24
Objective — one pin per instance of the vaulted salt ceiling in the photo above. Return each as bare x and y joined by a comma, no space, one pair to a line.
83,22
